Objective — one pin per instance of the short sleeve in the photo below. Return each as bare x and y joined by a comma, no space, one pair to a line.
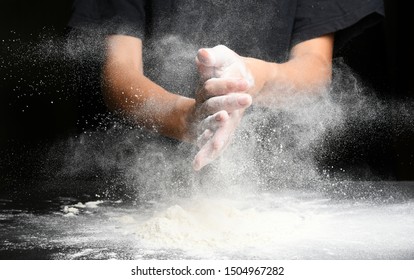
346,18
110,16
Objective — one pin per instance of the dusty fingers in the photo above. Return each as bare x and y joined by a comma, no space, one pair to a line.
218,132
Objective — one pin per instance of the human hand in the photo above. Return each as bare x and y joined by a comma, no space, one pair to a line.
225,83
216,130
222,71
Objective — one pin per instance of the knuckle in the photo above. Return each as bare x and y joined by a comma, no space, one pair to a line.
231,102
230,86
209,86
217,145
208,106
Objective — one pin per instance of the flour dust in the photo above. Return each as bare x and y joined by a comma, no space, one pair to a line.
273,193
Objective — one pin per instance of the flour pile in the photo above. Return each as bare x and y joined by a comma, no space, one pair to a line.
289,225
219,224
224,224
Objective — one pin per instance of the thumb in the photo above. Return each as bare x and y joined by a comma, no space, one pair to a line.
218,56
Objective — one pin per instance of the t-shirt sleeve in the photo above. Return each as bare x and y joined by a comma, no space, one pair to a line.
110,16
346,18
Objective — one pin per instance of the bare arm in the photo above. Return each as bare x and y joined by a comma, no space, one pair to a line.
129,92
306,73
219,105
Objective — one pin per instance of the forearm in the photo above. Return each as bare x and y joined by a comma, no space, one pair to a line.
128,92
306,74
145,103
275,83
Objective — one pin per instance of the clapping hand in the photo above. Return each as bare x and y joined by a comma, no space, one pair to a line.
220,100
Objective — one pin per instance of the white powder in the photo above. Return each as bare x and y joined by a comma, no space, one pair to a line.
218,224
79,205
70,211
283,225
93,204
73,210
243,225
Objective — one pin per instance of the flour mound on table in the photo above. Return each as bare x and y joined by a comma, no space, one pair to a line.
74,210
215,224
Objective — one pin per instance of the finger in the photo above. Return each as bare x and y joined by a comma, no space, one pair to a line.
208,153
213,148
205,57
205,72
220,140
203,139
218,56
229,103
214,121
222,86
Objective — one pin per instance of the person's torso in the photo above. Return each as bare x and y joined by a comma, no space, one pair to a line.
176,29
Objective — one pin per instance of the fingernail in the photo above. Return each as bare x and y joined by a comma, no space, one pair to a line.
202,56
205,57
221,116
245,100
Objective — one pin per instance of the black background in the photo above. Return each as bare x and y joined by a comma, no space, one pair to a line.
383,57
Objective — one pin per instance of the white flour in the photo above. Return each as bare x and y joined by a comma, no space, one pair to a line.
219,224
73,210
273,225
270,226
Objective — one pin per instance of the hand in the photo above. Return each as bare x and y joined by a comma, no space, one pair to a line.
222,71
217,129
225,81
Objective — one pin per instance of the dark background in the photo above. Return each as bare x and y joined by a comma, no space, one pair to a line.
41,101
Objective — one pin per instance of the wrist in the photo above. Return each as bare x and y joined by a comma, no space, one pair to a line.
185,112
261,72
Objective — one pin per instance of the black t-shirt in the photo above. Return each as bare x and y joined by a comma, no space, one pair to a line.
173,30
